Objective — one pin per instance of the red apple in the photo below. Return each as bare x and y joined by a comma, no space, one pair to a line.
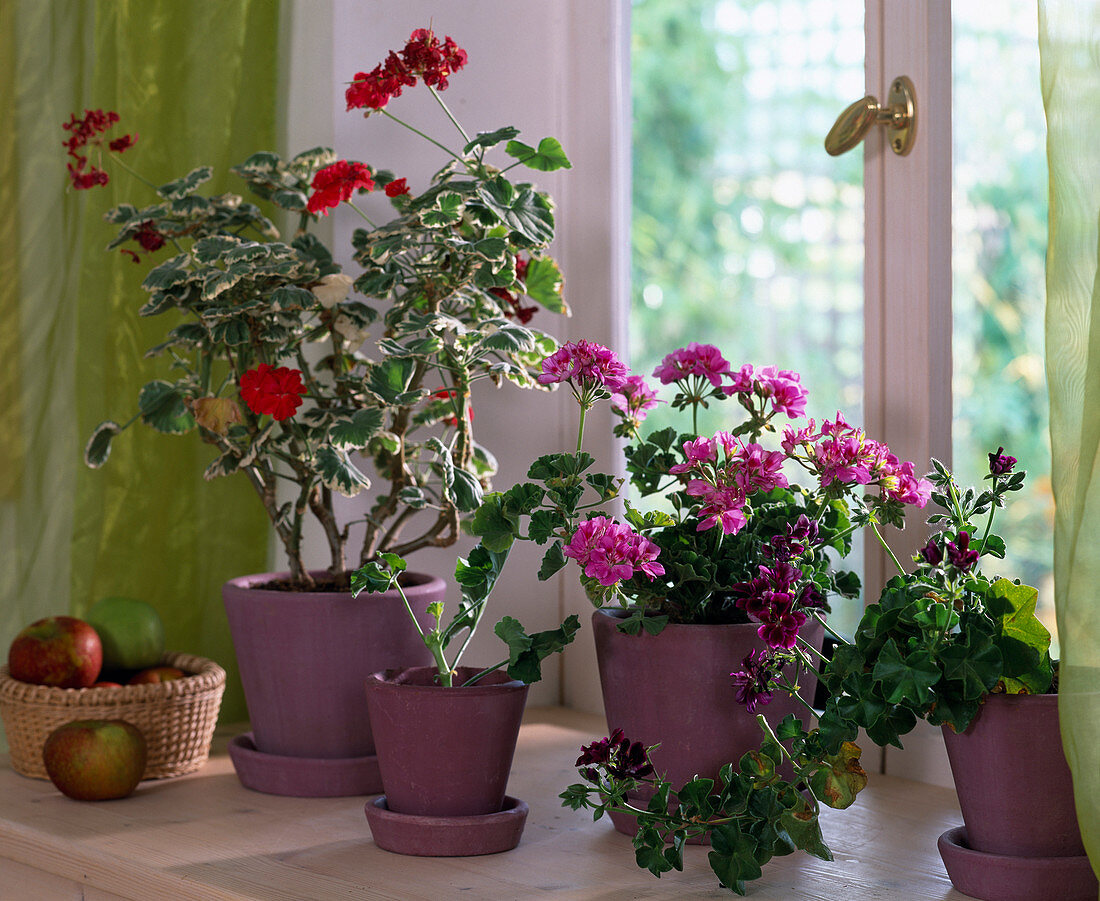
58,650
95,760
106,685
157,674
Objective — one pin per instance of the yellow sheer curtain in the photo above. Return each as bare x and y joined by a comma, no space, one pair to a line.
197,82
1069,32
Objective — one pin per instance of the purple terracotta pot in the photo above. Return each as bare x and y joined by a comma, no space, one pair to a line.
304,656
1012,779
444,752
674,688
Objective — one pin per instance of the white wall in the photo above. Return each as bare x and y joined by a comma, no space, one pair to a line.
548,69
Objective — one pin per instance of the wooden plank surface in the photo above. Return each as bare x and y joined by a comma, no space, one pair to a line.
204,837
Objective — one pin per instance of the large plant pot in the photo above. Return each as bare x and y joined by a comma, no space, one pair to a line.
1020,839
674,688
444,756
303,658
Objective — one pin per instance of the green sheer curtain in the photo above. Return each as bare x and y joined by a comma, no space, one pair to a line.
197,82
1068,31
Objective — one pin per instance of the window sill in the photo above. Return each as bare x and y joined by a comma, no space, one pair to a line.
204,836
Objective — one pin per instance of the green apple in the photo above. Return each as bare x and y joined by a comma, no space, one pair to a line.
95,760
131,631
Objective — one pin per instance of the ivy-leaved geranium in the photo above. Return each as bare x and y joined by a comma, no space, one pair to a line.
300,374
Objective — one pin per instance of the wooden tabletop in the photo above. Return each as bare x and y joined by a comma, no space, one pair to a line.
204,836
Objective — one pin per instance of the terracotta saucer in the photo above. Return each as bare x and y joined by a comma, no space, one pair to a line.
303,777
423,836
1001,877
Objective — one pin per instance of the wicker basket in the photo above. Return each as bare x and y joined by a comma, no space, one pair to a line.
177,718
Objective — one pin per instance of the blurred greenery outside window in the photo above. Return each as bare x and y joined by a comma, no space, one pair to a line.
747,235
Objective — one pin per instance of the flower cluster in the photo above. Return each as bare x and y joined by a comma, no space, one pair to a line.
753,682
423,56
82,133
274,391
701,361
610,552
780,388
337,183
633,401
842,455
617,756
724,481
592,370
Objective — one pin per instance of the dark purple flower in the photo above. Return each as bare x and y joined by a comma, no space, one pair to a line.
1000,463
810,598
617,756
753,681
960,553
932,552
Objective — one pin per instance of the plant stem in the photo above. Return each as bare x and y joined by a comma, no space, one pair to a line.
442,147
580,429
829,628
473,679
447,110
882,541
133,172
361,214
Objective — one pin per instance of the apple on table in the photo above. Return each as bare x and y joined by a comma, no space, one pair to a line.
62,651
95,760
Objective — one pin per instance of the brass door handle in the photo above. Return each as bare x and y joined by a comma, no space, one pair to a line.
899,117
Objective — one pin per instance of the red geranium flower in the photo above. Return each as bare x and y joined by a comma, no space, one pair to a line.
397,187
336,183
423,55
82,133
148,237
273,391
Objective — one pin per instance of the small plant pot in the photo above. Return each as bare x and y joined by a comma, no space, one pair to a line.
1020,841
444,755
303,658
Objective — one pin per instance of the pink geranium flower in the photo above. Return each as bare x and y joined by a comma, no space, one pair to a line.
584,363
702,360
610,552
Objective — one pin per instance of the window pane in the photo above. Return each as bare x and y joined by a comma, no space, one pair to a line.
745,233
1000,238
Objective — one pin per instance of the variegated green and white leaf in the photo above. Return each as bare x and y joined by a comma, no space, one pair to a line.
98,448
168,274
248,252
356,432
446,211
210,249
218,282
232,332
222,465
338,472
121,214
181,187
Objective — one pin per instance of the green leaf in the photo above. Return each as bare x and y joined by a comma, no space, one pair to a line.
552,561
510,338
490,523
231,332
291,297
1023,640
840,778
802,825
210,249
446,211
976,665
543,284
338,472
526,652
356,432
544,523
909,679
390,378
733,857
492,249
168,274
163,407
547,158
466,490
521,209
491,138
181,187
98,448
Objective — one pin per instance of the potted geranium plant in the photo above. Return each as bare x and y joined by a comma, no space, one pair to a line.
454,803
748,558
945,643
270,368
